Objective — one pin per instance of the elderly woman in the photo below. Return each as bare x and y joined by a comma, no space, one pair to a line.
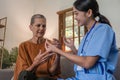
32,53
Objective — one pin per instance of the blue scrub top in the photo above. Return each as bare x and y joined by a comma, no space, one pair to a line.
100,42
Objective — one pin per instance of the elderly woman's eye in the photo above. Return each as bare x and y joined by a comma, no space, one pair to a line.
44,26
38,25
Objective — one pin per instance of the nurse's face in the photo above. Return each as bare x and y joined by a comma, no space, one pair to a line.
81,17
38,27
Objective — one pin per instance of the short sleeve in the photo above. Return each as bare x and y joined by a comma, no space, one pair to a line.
100,42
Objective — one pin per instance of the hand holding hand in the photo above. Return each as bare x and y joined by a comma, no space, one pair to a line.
50,47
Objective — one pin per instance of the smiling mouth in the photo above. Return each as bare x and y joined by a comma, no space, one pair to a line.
40,32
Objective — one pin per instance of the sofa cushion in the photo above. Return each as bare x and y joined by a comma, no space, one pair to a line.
66,68
6,74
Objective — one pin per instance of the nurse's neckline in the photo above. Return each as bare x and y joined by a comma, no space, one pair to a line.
93,24
97,23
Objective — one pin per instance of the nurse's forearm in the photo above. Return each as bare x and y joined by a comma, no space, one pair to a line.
86,62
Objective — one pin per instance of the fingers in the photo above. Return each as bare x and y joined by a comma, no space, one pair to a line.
66,40
42,61
56,41
48,43
40,55
45,58
50,54
50,47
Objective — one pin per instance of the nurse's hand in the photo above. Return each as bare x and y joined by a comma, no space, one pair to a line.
68,42
51,48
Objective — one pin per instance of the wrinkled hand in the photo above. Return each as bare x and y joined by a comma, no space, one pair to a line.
41,58
68,42
56,43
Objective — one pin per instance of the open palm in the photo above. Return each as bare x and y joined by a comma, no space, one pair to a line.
68,42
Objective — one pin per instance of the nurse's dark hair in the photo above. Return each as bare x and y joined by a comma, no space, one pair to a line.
36,16
85,5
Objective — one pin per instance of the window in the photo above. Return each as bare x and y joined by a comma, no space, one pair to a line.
68,28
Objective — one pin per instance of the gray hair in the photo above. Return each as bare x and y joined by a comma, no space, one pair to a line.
36,16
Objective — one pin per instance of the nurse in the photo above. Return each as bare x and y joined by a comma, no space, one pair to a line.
97,55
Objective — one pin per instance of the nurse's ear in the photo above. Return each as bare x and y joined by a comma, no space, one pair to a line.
89,13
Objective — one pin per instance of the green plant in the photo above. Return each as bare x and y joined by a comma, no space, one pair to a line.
9,58
6,59
13,54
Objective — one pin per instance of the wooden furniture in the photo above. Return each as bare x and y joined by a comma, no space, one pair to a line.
3,22
68,28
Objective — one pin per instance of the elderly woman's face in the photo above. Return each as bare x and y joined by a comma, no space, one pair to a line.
38,27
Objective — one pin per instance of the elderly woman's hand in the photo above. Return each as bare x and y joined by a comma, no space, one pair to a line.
56,43
42,57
